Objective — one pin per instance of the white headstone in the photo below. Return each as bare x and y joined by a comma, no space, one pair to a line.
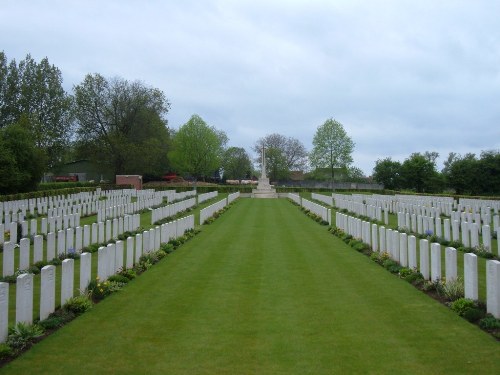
403,249
108,230
13,232
102,263
446,229
130,252
86,235
24,253
382,239
486,233
450,264
85,271
145,241
4,311
24,298
67,280
138,247
111,259
119,256
470,276
8,258
37,248
424,259
101,232
374,233
61,242
412,252
435,261
47,291
70,240
493,288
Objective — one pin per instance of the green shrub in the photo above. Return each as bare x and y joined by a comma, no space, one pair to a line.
12,279
489,322
5,351
128,273
78,305
119,278
451,290
99,290
52,322
473,315
461,305
22,335
167,248
40,264
56,262
391,265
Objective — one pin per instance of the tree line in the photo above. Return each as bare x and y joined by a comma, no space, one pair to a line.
467,174
122,126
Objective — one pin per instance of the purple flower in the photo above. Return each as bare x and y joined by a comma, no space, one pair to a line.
428,232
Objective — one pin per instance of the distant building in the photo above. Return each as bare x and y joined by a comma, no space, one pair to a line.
86,170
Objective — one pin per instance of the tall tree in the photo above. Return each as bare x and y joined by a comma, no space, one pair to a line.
283,155
419,172
388,173
236,164
198,148
21,163
122,124
34,90
332,147
462,173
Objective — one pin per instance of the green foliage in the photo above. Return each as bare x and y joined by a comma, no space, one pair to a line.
23,335
461,305
101,289
5,351
129,273
419,172
32,94
119,278
451,290
388,173
236,164
489,322
332,147
411,276
121,125
21,163
197,148
78,305
391,265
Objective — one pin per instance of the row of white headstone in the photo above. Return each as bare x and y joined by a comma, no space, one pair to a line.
110,260
169,210
317,209
209,211
403,249
470,233
207,196
69,240
323,198
233,196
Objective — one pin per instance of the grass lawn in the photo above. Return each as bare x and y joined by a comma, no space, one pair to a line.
265,290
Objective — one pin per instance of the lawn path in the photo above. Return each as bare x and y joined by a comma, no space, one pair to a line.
265,290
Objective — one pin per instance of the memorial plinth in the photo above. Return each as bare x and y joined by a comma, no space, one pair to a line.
264,188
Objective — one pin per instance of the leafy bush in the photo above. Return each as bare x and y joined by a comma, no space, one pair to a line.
473,315
119,278
410,275
99,290
451,290
489,322
167,248
12,279
128,273
56,262
40,264
5,351
78,305
461,305
391,265
23,335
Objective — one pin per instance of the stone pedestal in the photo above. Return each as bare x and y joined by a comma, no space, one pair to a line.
264,189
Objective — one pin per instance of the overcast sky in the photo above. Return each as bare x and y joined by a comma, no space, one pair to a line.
401,76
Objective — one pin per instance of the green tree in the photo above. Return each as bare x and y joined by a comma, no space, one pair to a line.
236,164
419,172
462,172
197,148
489,172
283,155
21,163
122,125
388,173
332,147
34,90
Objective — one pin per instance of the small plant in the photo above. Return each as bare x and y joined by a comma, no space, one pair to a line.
99,290
128,273
391,265
489,322
22,335
40,264
56,262
119,279
5,351
451,290
461,305
78,305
